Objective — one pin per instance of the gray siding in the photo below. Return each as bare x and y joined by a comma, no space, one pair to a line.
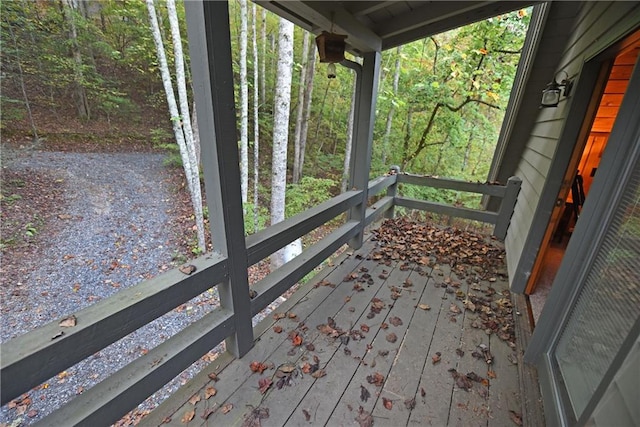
591,25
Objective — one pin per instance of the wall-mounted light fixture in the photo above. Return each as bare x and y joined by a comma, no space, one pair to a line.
331,49
551,94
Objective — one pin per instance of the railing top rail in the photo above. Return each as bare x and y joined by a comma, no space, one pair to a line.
487,188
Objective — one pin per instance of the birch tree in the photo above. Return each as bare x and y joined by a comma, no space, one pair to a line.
300,110
244,104
256,126
281,129
308,97
181,125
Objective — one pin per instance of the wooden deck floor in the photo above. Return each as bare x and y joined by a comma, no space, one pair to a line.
389,344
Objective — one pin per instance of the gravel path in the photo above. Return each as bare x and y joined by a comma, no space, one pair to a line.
115,232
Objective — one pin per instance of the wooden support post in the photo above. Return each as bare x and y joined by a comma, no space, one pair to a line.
366,97
392,190
210,51
506,207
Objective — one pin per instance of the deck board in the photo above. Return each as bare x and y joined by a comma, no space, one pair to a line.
416,390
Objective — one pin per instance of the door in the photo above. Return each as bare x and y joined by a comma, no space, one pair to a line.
583,338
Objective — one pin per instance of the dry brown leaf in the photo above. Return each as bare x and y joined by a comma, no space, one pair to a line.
516,417
364,393
194,399
258,367
395,321
424,307
210,392
213,376
68,322
410,404
227,408
187,269
377,379
307,415
387,403
392,337
319,373
188,416
364,418
491,374
264,384
277,329
364,328
278,316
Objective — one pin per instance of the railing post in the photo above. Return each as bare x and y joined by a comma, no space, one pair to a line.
506,207
392,190
366,96
210,47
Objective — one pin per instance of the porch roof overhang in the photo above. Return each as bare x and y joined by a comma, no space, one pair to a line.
379,25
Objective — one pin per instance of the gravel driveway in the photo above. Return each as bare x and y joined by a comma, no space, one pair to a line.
115,232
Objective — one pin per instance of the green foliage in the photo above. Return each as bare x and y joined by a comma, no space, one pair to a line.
263,218
309,192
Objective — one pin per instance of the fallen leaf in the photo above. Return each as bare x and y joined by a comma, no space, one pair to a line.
210,392
392,337
454,308
410,404
319,373
194,399
384,325
296,340
364,418
387,403
277,329
364,393
423,393
310,347
491,374
307,415
377,379
188,416
213,376
460,352
436,358
32,413
407,283
227,408
264,384
516,417
68,322
292,315
187,269
364,328
278,316
258,367
395,321
287,368
424,307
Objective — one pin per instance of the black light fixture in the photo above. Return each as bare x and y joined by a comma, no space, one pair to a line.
551,95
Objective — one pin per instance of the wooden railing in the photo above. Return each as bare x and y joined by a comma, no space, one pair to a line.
31,359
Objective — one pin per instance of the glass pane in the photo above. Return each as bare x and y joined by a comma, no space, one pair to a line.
608,305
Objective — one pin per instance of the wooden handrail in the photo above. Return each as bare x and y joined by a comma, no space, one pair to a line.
30,359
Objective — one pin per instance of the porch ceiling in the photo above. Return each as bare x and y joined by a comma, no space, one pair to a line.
380,25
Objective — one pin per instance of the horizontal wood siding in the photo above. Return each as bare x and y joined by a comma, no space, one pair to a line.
590,26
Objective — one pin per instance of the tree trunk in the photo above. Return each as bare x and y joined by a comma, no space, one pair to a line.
308,98
244,104
300,110
347,150
27,104
263,65
79,92
256,124
387,132
281,129
192,175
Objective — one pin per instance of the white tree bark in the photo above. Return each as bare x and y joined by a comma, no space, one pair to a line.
79,92
256,123
349,145
308,97
244,105
300,109
263,65
281,129
179,127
